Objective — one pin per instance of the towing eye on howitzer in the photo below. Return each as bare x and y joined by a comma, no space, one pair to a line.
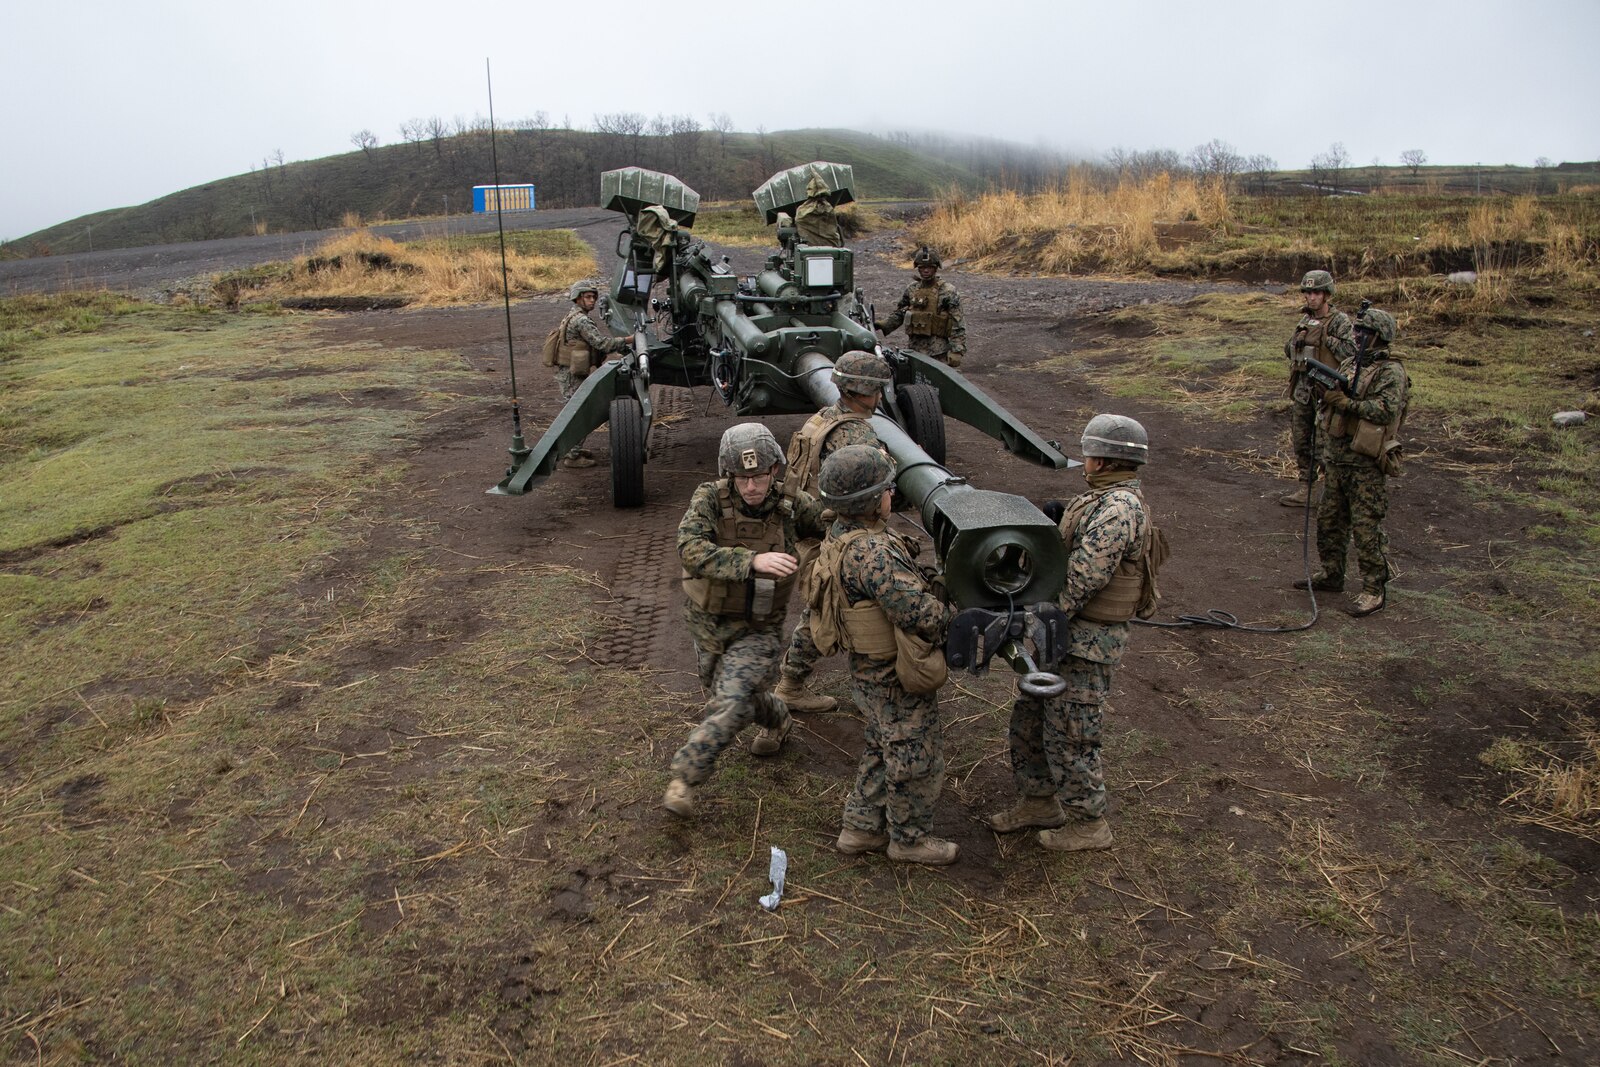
977,635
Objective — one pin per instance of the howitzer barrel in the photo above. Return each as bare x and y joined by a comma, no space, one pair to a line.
998,549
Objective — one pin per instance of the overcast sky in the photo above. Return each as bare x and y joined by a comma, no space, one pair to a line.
109,104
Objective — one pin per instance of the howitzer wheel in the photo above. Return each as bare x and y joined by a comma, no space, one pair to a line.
924,418
627,452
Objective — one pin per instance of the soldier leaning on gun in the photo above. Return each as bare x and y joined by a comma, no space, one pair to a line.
866,588
1323,334
931,309
584,347
737,543
1360,449
1055,741
861,378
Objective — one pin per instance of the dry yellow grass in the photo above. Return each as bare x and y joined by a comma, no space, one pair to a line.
363,264
1079,224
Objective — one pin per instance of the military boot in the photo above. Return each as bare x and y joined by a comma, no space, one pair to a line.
1300,497
853,842
680,797
1322,582
1042,812
1367,603
769,739
576,458
932,851
1078,836
796,697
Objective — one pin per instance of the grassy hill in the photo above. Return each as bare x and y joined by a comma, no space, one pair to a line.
425,177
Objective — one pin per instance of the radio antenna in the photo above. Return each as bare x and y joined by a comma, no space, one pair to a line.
519,449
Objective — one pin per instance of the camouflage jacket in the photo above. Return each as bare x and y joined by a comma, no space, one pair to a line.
844,431
1380,399
578,328
1332,335
948,304
703,557
879,568
1109,532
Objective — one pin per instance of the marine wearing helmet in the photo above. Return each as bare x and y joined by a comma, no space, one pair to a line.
931,311
1116,437
854,479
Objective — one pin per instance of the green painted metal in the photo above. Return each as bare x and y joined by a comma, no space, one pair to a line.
785,191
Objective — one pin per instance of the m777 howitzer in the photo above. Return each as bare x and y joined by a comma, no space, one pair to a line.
756,341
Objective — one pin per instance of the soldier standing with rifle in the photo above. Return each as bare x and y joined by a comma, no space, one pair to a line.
869,598
1323,334
737,543
931,309
583,347
861,377
1361,449
1055,741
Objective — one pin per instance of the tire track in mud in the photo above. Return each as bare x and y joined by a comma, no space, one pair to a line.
643,576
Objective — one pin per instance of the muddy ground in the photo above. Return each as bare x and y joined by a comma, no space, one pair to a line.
1235,549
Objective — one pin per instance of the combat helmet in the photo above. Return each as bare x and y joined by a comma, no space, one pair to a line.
926,257
862,373
853,478
748,448
1317,281
587,285
1380,322
1116,437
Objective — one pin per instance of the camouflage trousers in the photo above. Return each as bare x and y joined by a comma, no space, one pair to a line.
1302,432
802,655
937,347
902,761
738,674
1354,502
1055,741
568,382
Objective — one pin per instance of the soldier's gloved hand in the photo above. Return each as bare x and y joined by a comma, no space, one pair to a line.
877,324
1335,399
955,359
936,587
1055,509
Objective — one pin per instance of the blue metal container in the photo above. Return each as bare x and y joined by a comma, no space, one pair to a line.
486,198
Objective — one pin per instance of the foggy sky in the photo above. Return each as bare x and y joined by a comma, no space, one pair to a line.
110,104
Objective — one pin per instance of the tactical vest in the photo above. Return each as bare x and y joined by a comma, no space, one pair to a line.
836,624
1314,343
576,354
1132,589
805,447
1369,438
928,317
757,598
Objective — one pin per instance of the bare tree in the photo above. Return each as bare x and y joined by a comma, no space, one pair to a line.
1413,158
1543,163
722,122
1327,168
365,140
1216,160
1259,168
437,129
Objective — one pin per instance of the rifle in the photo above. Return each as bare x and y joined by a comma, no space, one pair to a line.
1330,378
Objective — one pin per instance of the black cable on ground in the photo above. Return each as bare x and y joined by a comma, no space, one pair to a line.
1227,620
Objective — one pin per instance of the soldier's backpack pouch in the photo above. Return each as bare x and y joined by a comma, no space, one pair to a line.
552,348
1368,439
919,665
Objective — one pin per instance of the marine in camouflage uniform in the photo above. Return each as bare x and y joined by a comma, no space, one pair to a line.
1324,333
931,309
1055,741
737,638
861,378
1357,494
901,769
584,346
